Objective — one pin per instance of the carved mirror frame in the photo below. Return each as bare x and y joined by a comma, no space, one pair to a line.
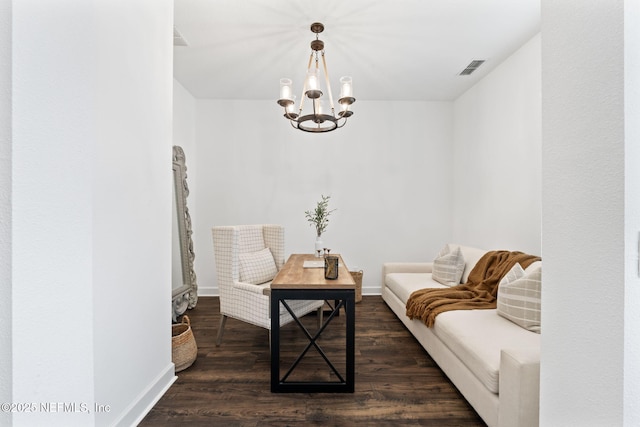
185,296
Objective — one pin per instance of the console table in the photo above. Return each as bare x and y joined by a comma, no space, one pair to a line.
292,282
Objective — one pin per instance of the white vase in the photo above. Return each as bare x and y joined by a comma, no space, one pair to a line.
319,246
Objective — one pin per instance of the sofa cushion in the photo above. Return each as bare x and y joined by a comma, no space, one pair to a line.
448,266
471,257
257,267
533,266
404,284
478,336
519,297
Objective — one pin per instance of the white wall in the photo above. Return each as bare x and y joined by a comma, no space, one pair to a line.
52,224
184,122
590,217
91,142
131,203
387,172
632,212
496,164
5,209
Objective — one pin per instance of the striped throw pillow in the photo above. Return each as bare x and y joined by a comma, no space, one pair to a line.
448,266
257,267
519,297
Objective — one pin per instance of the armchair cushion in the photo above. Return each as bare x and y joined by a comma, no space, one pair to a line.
257,267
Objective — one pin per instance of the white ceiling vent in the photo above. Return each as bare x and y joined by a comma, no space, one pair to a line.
473,65
178,40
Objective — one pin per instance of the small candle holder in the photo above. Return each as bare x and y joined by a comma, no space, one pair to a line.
330,267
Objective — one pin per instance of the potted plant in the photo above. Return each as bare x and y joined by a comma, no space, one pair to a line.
319,218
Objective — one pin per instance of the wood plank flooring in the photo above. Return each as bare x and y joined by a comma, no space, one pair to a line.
397,383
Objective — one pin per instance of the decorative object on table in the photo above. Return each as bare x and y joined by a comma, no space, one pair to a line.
184,349
317,120
319,218
331,267
357,277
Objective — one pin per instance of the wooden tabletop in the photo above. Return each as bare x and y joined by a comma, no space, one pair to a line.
294,276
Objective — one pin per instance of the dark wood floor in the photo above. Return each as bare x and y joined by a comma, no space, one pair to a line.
397,383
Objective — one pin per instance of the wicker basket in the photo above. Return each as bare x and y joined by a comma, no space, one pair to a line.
357,277
184,349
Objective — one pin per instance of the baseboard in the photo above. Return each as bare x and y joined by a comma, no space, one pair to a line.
208,291
140,407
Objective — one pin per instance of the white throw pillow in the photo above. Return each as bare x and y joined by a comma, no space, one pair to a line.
257,267
533,266
519,296
448,266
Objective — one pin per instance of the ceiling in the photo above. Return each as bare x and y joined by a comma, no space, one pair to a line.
393,49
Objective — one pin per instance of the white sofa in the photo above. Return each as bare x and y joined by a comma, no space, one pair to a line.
493,362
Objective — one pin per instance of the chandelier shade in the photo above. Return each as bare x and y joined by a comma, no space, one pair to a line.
319,118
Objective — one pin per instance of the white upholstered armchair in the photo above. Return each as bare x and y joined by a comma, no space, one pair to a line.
247,259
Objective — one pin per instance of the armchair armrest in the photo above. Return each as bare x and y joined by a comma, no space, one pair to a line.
257,289
519,387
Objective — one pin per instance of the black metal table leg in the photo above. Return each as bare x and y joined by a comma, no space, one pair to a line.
346,299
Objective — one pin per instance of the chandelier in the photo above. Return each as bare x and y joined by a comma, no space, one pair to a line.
319,119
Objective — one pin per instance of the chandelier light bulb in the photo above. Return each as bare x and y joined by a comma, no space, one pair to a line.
285,89
291,108
313,86
346,87
312,80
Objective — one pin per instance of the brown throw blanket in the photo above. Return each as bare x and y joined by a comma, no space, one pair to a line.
480,291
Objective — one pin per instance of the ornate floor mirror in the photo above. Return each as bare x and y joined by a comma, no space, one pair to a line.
183,281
